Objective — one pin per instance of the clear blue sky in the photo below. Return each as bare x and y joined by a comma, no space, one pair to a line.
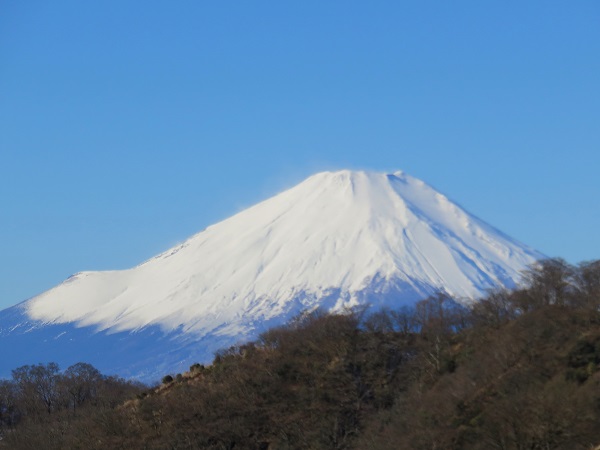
127,126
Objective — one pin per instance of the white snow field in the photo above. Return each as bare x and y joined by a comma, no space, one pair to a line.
337,239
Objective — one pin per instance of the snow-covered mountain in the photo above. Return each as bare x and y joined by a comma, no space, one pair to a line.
337,239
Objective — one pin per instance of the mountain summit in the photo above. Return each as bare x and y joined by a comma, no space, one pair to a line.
337,239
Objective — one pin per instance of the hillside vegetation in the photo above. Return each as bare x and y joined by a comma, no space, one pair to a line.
517,370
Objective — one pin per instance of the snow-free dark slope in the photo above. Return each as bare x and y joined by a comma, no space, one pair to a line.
337,239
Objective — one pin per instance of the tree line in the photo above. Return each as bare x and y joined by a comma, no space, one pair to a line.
516,370
39,397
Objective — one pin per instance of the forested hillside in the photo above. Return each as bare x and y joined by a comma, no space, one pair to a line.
517,370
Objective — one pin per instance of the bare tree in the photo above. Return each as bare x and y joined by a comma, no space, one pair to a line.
38,385
81,383
549,282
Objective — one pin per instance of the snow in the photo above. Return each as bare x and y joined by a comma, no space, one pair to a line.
336,230
336,239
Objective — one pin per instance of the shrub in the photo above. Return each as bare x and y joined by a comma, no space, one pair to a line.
196,368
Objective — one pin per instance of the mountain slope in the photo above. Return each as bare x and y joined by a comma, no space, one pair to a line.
337,239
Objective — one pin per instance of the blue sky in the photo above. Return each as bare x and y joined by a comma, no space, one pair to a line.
127,126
